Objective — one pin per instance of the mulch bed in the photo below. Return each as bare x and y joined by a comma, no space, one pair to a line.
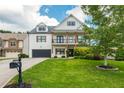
25,85
103,67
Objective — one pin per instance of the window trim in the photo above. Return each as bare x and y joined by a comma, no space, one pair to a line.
13,43
41,28
40,38
71,23
60,51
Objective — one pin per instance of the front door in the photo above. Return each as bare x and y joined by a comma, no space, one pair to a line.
70,52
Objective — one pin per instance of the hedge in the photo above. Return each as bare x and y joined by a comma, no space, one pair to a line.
85,53
22,55
119,54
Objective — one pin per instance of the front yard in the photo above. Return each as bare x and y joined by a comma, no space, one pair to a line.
73,73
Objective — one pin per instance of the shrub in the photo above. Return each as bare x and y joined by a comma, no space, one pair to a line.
22,55
63,56
76,57
83,52
55,56
119,54
86,53
98,57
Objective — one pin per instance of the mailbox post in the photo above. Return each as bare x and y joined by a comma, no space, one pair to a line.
20,73
18,65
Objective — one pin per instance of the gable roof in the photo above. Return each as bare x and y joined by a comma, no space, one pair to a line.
67,18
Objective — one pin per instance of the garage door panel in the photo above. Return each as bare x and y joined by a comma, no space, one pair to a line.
41,53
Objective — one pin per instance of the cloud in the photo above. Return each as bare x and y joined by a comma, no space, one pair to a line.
22,18
77,12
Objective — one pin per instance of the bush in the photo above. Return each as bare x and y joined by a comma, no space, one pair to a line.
82,52
120,54
86,53
55,56
98,57
63,56
23,55
77,57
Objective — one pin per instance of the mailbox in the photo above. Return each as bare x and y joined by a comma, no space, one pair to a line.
13,65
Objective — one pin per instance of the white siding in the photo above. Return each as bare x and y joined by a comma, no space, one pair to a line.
63,26
26,45
39,45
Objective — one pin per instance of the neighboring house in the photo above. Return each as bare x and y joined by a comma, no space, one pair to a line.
47,41
11,44
39,41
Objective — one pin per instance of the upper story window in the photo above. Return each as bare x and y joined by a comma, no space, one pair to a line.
42,28
71,23
41,38
12,43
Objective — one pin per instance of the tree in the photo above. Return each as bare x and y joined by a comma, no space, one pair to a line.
3,31
107,27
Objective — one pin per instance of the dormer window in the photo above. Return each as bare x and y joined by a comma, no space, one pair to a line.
42,28
71,23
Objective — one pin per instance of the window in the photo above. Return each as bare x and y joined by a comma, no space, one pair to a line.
60,39
41,38
12,43
80,39
60,51
71,39
0,43
41,28
71,23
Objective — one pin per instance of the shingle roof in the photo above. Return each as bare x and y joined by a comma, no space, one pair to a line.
7,36
35,30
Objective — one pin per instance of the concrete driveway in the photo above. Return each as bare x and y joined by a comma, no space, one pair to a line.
7,74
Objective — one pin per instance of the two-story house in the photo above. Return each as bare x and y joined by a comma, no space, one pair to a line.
66,36
47,41
11,44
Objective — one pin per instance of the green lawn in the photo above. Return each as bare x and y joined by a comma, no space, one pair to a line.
73,73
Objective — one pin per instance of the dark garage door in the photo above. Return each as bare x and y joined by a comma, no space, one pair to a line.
41,53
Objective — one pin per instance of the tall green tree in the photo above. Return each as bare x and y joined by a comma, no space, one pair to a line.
106,24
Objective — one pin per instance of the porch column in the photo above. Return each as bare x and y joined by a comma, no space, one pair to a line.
67,38
75,38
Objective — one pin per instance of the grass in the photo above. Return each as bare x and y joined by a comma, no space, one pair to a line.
73,73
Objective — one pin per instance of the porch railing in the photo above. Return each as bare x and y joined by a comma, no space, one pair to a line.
65,41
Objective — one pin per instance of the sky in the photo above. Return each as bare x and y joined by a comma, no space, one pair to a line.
24,18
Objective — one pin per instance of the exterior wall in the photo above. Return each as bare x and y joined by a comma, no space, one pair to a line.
6,44
26,45
12,54
39,45
63,26
20,44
